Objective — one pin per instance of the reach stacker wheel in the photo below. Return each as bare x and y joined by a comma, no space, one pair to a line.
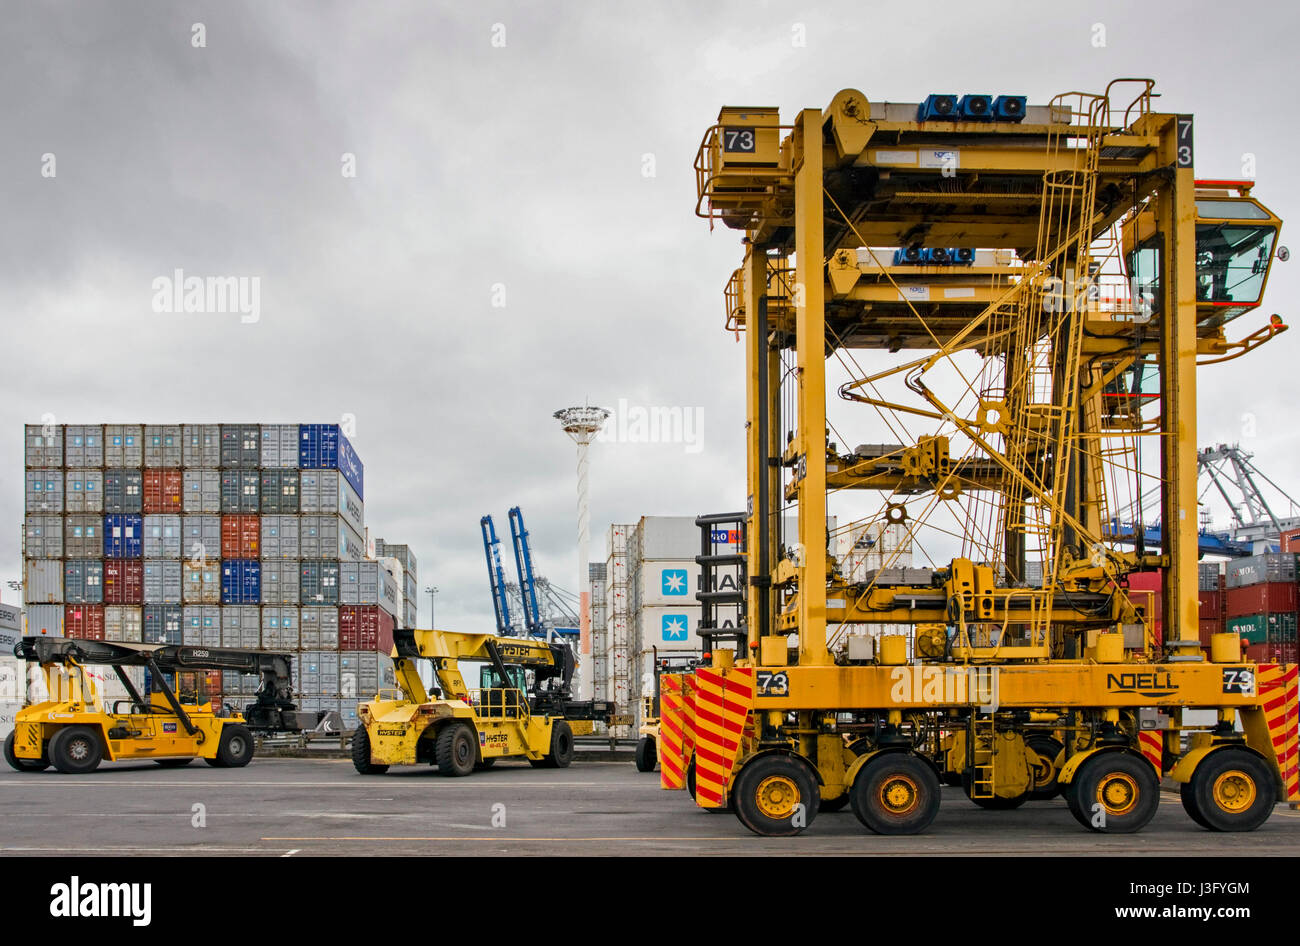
24,765
1043,751
776,796
646,757
1114,793
361,754
76,750
235,750
896,793
1231,790
456,750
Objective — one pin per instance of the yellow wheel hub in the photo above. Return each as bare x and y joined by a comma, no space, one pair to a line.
1234,791
1042,769
899,794
1118,792
777,796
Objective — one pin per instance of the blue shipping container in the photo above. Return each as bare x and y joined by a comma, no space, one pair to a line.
123,536
241,581
324,447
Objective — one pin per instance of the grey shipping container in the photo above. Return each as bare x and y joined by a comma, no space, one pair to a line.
83,581
329,537
318,582
201,491
162,623
122,491
162,536
44,491
241,626
124,446
201,625
319,628
162,445
402,553
123,622
319,671
280,582
83,491
1257,569
43,445
280,538
201,584
280,628
665,537
362,673
43,581
239,492
83,536
43,537
368,583
327,491
409,617
44,620
279,492
279,446
83,446
201,537
411,589
241,447
162,581
1207,576
201,446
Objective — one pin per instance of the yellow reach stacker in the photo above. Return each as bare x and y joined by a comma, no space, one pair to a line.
523,706
1013,301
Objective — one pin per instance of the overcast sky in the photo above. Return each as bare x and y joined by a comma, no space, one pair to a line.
482,166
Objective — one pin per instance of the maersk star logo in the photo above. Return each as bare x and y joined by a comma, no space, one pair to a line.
674,627
674,581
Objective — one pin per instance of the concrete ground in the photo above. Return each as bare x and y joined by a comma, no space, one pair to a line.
281,807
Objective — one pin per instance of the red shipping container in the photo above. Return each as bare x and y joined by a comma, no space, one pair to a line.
1211,605
241,536
123,581
1290,541
84,621
162,491
1274,597
1207,627
1273,653
1146,581
365,627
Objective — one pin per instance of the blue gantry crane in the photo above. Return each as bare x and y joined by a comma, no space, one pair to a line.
540,609
496,575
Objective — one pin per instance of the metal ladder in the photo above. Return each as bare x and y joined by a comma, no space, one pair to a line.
983,743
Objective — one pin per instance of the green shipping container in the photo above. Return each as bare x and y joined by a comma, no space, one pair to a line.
1263,628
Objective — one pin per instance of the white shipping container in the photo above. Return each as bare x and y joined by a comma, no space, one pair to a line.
43,537
43,581
241,626
83,446
279,446
280,537
123,446
319,628
326,492
112,691
665,583
368,583
124,623
13,678
201,446
201,492
8,712
162,536
44,491
83,491
281,582
44,620
670,626
665,537
280,629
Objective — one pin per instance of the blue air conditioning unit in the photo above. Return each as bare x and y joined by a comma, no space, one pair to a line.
1009,108
976,108
937,108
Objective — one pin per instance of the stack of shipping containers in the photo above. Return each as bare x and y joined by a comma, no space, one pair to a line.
215,535
13,672
1260,605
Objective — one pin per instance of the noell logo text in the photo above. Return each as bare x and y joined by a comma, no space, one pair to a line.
75,899
209,294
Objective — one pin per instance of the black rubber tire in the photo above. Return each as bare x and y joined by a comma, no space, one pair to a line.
482,764
76,750
24,765
1089,778
874,777
361,754
1045,746
728,808
747,786
1247,766
174,763
646,756
1187,796
236,747
562,747
456,750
